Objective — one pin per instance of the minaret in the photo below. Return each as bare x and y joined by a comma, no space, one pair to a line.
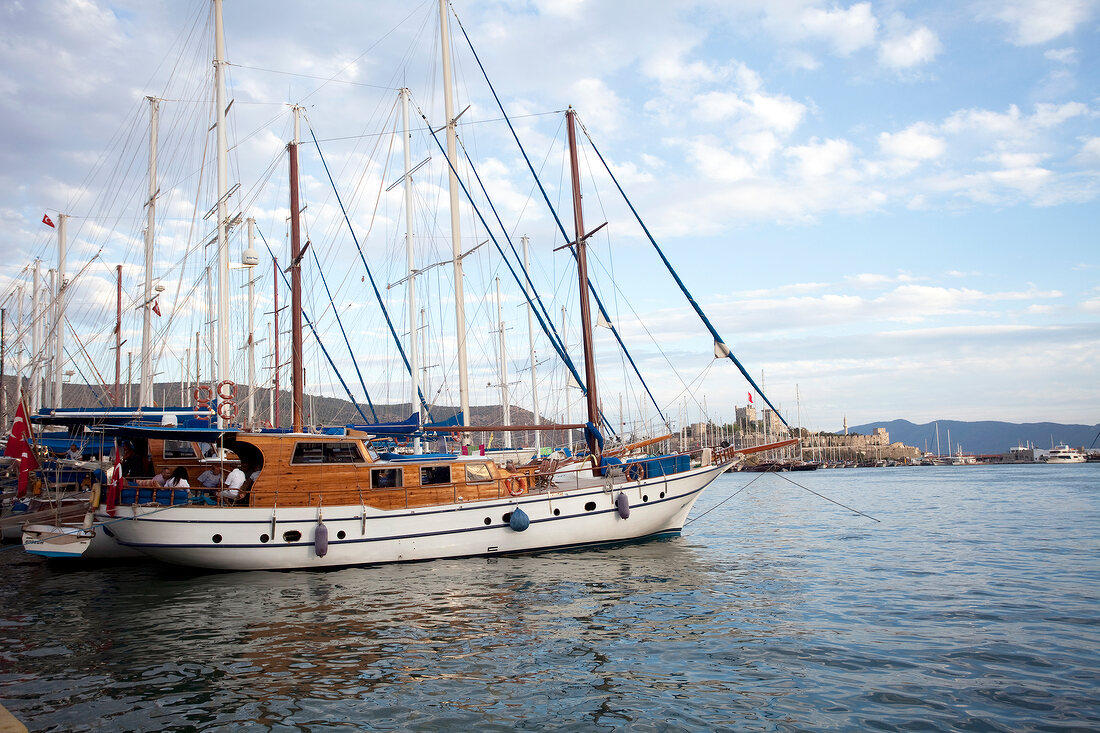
845,424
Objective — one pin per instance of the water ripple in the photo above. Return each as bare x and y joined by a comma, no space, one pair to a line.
972,606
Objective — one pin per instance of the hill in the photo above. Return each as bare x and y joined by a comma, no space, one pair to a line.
987,436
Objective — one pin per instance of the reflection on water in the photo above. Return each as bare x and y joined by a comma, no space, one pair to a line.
971,604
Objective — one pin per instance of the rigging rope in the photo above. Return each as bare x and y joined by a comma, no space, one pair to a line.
316,336
719,342
554,213
340,323
373,285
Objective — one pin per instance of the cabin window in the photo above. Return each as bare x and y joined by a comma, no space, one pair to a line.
310,453
430,475
371,452
478,473
386,478
176,449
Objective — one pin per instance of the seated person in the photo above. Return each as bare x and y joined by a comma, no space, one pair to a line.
132,463
158,481
74,453
234,482
209,478
178,479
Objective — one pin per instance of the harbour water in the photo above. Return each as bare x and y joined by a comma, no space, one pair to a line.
972,604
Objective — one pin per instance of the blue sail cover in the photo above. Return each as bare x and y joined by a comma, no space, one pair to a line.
409,426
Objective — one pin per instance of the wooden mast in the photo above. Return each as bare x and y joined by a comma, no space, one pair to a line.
275,359
582,278
297,377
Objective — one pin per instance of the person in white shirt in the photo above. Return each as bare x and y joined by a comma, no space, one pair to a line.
178,480
74,453
234,481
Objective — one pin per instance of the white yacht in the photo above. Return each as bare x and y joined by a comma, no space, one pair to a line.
1064,454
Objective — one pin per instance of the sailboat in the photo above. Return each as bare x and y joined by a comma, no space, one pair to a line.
302,499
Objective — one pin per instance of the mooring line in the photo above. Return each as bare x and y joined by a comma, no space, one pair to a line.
113,520
824,497
708,511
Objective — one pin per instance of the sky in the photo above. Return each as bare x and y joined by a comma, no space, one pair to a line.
887,209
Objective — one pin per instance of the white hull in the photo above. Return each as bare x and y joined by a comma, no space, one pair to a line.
264,539
73,541
1065,454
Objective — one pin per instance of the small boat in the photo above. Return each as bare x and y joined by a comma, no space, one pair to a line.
1064,454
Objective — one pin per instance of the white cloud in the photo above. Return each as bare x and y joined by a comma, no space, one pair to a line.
1090,152
821,159
717,163
1062,55
874,279
754,111
846,30
602,106
913,49
1038,21
916,142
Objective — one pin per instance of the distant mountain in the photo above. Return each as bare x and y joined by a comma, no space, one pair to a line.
986,436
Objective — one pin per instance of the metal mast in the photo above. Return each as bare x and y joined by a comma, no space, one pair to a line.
456,234
59,310
531,345
145,394
411,263
118,337
49,318
505,403
19,348
223,194
251,332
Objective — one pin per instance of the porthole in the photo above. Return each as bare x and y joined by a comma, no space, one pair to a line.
590,506
557,512
488,521
216,538
645,497
341,535
292,536
662,494
506,517
264,538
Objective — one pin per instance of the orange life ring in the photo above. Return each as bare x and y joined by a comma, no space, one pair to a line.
516,484
232,393
203,393
228,407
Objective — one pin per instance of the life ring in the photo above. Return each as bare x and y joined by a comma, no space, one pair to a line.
203,393
516,485
228,410
231,394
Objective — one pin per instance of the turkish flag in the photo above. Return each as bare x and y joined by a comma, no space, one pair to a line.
750,398
156,307
114,487
47,220
19,447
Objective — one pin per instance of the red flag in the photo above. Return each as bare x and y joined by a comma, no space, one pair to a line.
47,220
750,398
156,307
19,447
